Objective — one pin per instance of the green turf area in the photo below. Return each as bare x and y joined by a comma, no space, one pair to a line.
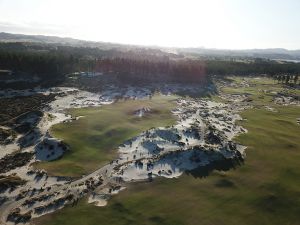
261,90
93,139
265,190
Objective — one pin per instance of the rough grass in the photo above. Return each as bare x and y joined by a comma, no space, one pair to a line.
262,89
265,190
94,138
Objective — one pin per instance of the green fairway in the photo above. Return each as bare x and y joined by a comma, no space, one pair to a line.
94,138
265,190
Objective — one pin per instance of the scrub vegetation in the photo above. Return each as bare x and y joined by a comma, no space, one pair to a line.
264,190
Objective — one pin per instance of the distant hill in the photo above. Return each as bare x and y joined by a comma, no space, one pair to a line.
8,37
274,53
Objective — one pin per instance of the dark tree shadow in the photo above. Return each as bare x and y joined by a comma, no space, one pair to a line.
219,165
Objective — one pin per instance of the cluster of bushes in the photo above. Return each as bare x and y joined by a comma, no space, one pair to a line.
287,78
13,107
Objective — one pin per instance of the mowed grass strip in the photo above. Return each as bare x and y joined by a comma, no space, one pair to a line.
265,190
93,139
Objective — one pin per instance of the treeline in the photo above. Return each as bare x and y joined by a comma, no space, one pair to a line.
128,69
50,61
55,65
253,67
44,65
54,62
45,61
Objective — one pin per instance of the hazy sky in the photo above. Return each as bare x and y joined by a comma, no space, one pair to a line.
236,24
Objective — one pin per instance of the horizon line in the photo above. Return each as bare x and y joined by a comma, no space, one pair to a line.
148,45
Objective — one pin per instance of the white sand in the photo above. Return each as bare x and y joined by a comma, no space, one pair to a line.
164,151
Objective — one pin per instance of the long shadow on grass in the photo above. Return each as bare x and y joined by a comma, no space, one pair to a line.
219,165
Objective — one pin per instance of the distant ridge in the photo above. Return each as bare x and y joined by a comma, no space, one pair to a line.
9,37
272,53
